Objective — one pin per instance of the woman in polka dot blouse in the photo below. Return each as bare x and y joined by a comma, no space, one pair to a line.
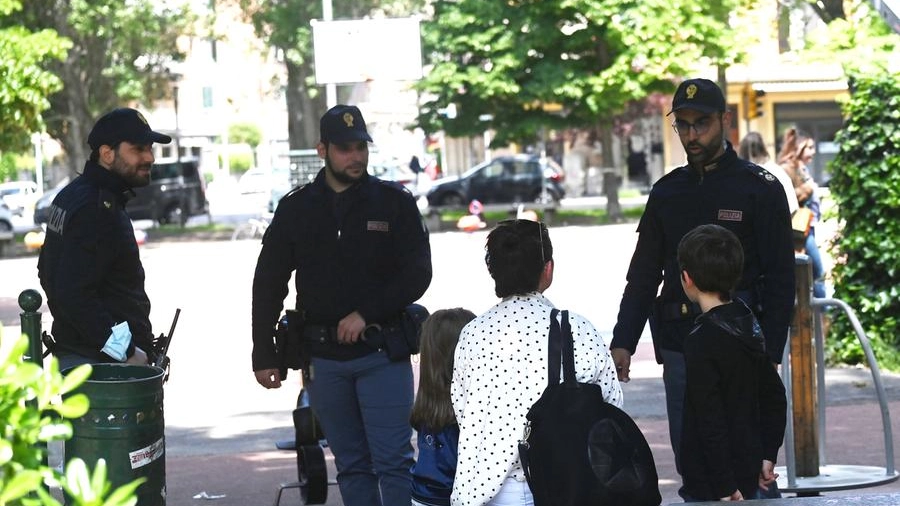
501,366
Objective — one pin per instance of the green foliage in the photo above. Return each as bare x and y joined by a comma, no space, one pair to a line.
120,54
238,163
508,60
861,41
31,416
11,164
245,133
24,82
866,188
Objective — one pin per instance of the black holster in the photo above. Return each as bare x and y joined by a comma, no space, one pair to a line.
289,343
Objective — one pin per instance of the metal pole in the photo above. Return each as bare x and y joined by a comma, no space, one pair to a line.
330,88
30,301
177,127
37,139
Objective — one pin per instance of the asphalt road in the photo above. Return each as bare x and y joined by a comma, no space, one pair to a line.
211,396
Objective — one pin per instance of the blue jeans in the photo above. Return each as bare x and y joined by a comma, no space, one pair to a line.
815,260
364,406
674,376
513,493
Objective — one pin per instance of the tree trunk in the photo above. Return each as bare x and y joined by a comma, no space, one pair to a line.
303,110
607,138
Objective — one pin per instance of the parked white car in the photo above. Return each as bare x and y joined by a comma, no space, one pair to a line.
6,225
18,195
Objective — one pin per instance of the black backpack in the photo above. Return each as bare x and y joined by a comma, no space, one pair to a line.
579,449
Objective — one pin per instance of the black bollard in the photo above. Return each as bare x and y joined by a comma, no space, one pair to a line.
30,301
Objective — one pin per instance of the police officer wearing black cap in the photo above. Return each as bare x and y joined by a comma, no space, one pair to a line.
89,266
360,253
714,187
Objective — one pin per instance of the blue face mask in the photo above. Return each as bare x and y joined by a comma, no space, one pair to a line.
117,344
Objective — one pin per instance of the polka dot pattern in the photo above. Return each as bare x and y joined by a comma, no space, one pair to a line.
500,371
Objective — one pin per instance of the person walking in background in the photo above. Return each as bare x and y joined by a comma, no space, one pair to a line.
753,149
714,187
735,410
89,266
797,151
432,414
360,254
500,366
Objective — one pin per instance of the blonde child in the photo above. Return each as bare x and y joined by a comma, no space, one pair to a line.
432,414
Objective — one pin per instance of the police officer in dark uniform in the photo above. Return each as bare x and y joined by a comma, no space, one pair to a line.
714,187
89,266
360,254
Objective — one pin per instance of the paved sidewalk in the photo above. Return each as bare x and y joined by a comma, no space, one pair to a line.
854,436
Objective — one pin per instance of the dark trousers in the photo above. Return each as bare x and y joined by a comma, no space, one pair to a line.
364,405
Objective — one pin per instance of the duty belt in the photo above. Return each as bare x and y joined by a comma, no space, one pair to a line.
319,333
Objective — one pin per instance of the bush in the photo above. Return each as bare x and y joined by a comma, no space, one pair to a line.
31,416
238,163
866,188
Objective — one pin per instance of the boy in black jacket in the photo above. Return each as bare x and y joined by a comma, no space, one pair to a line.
734,408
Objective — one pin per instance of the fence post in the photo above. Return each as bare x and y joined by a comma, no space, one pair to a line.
30,301
803,374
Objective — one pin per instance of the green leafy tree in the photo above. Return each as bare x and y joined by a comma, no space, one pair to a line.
285,25
121,52
31,416
866,188
860,40
25,84
528,65
246,133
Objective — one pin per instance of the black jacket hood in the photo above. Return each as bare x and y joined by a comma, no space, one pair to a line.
736,319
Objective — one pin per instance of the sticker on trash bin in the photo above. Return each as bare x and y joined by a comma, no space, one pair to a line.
144,456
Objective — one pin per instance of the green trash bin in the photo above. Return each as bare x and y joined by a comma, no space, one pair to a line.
124,426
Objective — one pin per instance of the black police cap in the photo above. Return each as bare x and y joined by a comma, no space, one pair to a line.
124,124
700,95
342,124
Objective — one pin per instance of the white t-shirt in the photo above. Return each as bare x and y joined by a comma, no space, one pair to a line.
500,371
785,180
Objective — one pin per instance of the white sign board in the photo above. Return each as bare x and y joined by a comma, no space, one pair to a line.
359,50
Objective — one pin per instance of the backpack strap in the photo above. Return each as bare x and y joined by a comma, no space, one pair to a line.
560,349
568,350
554,349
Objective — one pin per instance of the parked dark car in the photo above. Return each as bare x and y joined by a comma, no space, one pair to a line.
176,192
506,179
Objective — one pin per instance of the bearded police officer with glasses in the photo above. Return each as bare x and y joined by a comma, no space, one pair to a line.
714,187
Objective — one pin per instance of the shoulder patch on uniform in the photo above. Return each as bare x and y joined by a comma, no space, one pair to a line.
762,173
393,185
295,190
672,173
107,200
